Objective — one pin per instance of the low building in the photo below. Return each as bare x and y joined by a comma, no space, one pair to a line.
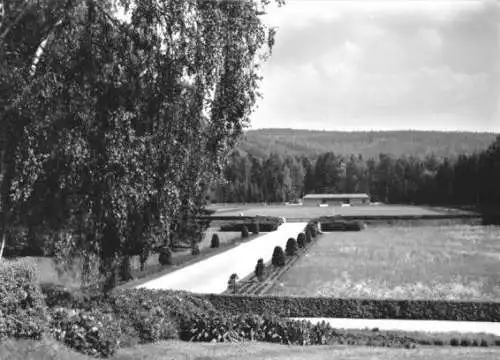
335,199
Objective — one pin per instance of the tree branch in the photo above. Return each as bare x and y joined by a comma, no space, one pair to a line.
41,48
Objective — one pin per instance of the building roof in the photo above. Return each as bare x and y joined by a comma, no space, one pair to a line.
336,196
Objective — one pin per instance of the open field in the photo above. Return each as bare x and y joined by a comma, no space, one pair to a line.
309,212
458,262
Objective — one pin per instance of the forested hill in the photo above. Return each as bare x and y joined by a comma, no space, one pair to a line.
260,143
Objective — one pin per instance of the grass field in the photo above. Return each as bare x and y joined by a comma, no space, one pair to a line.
296,211
458,262
71,276
177,350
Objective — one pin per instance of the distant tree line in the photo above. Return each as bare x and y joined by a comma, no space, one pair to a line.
470,179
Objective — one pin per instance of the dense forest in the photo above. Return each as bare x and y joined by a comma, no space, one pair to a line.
311,143
467,179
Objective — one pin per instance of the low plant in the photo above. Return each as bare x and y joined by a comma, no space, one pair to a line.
89,332
278,258
259,269
255,228
165,256
244,232
232,283
308,236
195,250
215,243
465,342
301,240
291,247
22,309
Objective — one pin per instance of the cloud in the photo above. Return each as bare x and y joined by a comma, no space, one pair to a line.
351,63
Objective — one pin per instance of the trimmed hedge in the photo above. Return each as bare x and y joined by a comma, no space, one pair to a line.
256,225
244,232
255,228
22,309
301,240
215,241
358,308
165,256
278,257
336,224
260,269
291,247
308,236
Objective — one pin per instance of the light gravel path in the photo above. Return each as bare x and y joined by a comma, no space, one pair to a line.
210,276
412,325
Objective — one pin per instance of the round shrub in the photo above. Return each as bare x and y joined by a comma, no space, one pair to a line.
301,240
291,247
313,230
215,241
232,283
259,269
244,232
278,258
308,236
195,250
165,257
465,342
454,342
256,228
484,343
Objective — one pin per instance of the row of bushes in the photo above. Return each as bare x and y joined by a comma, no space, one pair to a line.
98,325
265,224
157,315
337,223
358,308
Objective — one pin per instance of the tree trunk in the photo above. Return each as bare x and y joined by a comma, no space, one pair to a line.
3,245
125,271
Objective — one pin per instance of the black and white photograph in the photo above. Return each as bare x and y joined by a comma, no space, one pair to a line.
249,179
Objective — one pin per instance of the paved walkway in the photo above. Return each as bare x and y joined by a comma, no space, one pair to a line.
412,325
210,276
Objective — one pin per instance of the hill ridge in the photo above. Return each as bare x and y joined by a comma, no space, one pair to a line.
369,143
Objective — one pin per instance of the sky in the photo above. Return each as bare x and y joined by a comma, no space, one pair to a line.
392,65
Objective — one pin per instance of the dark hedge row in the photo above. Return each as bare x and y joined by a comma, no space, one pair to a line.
254,225
357,308
130,316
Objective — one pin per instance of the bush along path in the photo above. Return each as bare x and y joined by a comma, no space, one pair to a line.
254,284
211,275
98,325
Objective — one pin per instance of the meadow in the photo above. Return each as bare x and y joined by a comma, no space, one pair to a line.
458,262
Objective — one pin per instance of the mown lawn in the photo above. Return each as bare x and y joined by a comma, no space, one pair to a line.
459,262
294,211
250,351
177,350
71,276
